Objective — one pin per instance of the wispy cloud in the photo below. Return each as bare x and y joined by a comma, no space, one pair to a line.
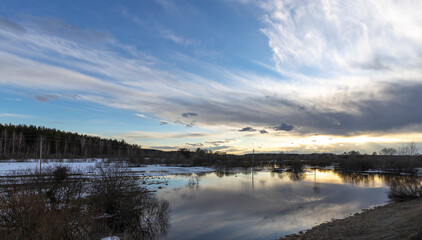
11,25
339,38
141,115
14,115
161,135
167,34
14,99
168,5
338,77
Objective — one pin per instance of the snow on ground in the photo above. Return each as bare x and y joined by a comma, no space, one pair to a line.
111,238
161,170
11,166
419,171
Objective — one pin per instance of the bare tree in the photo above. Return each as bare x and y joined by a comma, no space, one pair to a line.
388,151
408,149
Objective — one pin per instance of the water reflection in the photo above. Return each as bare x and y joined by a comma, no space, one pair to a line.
266,205
358,178
296,177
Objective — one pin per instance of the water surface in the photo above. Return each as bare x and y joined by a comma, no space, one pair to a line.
265,205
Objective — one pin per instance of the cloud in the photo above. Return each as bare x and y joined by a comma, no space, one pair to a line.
189,114
54,26
187,124
342,89
397,108
140,115
247,129
14,99
263,131
284,127
40,98
163,123
14,115
168,5
160,135
174,148
44,97
339,36
194,145
167,34
222,147
11,25
216,143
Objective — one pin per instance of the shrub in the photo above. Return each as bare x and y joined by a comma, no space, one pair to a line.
356,163
54,205
43,207
124,209
405,188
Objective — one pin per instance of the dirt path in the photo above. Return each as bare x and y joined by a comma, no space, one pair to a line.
392,221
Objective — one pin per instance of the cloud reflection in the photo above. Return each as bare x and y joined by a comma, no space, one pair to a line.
226,206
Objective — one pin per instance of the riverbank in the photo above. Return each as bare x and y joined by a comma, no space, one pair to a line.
401,220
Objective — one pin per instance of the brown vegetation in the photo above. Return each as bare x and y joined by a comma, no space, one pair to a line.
61,205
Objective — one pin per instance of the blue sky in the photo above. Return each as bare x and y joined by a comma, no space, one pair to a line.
295,76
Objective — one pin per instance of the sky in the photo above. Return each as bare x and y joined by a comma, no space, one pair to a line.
225,75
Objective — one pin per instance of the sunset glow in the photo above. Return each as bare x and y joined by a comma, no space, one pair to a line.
231,76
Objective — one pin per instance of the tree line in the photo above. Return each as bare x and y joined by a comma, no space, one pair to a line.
24,142
408,149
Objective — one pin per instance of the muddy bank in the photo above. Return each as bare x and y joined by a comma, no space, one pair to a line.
392,221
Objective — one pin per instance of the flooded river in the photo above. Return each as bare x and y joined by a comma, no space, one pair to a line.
264,205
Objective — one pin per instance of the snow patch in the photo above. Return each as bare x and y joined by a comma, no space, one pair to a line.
111,238
87,166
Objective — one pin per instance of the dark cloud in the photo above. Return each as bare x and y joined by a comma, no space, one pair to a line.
376,63
195,145
247,129
45,97
41,98
163,123
258,111
190,135
187,124
222,147
220,142
189,114
263,131
11,25
395,107
390,107
284,127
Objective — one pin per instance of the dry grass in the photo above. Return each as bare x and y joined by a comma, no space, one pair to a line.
55,206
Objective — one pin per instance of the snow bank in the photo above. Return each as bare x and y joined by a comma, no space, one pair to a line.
85,166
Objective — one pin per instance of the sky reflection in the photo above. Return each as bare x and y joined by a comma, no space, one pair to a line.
267,206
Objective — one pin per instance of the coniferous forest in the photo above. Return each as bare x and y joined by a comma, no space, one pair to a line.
25,142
